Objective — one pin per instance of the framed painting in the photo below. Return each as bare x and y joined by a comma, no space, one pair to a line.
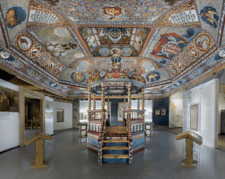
157,112
60,115
120,111
163,112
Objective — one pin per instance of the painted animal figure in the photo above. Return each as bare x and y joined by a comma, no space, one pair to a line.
11,18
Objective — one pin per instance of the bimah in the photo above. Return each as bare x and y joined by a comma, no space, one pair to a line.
38,137
189,137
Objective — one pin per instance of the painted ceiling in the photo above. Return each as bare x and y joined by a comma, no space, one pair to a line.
59,44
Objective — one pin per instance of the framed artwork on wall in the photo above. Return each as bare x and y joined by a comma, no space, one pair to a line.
120,111
60,115
85,116
157,112
163,112
194,117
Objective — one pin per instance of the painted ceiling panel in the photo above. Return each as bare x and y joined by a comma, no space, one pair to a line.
158,75
168,42
30,47
15,13
146,65
59,42
104,41
113,12
42,15
78,72
182,15
210,14
194,50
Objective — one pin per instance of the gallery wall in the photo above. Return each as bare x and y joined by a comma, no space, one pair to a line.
176,110
161,104
67,115
49,123
76,113
206,97
9,123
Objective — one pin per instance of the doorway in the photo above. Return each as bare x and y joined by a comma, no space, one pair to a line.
29,119
32,116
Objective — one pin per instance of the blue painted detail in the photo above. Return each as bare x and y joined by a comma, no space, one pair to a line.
92,141
115,160
116,151
138,142
110,144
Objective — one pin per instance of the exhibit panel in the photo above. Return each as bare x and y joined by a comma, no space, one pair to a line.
9,121
205,100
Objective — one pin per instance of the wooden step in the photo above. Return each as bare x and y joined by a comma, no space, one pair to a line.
116,148
115,141
115,156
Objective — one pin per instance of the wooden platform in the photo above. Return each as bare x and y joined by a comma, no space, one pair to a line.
116,129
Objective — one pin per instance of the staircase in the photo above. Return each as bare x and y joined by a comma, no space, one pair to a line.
115,151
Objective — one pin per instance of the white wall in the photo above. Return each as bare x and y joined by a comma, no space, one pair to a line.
206,96
49,124
9,124
67,115
83,107
148,108
176,110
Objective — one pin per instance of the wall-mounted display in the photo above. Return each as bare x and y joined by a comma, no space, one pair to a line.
163,112
60,115
194,117
157,112
85,116
9,100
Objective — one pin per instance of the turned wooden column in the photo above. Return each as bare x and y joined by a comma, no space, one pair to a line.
89,98
94,102
143,99
138,103
108,104
103,97
124,103
129,96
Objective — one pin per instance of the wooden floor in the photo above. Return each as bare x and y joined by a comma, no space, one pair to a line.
116,129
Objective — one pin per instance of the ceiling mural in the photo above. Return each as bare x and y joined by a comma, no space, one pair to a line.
214,62
104,41
15,15
194,50
78,72
210,14
114,12
168,42
41,15
146,65
30,47
60,44
184,15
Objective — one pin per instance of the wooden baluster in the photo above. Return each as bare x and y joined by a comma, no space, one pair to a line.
89,98
103,97
143,99
94,102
